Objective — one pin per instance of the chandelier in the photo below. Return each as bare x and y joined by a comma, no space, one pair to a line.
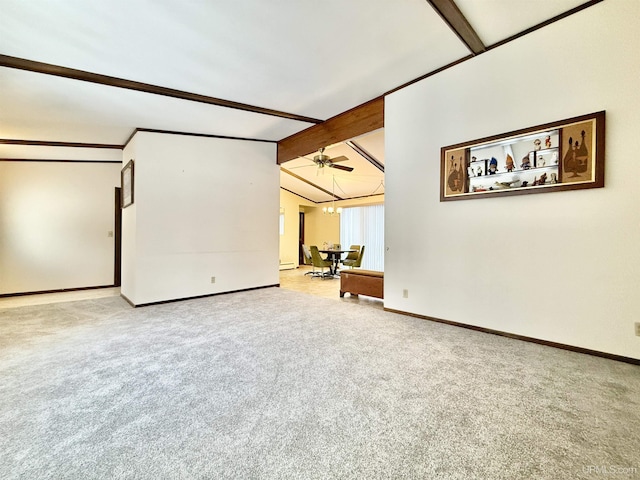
332,210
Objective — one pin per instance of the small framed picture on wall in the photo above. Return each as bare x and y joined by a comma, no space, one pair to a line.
126,183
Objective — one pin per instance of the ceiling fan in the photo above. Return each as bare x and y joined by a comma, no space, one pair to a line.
322,160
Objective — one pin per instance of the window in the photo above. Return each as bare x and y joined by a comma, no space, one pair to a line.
365,226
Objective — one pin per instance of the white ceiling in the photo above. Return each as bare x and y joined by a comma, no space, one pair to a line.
309,58
496,20
365,179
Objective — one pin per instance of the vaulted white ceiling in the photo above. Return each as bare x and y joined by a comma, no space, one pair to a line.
305,58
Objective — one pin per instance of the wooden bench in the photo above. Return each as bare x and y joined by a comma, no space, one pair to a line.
362,282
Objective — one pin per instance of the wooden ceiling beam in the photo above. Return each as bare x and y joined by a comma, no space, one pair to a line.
47,143
451,14
366,155
310,183
362,119
65,72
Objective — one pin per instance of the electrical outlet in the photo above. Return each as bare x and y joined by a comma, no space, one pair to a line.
638,329
405,293
213,279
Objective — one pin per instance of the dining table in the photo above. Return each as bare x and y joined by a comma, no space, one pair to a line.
335,256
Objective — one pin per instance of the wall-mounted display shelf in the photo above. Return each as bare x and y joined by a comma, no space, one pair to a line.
563,155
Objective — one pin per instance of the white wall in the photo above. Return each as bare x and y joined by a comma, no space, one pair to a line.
55,219
128,261
203,207
558,266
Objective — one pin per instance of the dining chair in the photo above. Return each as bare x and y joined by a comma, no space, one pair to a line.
318,262
353,254
356,262
306,258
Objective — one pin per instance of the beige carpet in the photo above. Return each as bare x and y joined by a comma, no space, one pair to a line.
280,384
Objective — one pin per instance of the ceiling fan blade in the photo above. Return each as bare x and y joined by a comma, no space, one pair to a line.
341,167
341,158
301,166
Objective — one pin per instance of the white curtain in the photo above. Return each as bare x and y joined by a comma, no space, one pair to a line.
365,226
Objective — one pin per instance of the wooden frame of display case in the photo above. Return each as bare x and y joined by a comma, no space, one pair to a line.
563,155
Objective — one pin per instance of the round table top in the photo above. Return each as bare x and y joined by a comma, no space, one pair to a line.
336,251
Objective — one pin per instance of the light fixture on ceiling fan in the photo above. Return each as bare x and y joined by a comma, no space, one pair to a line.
332,210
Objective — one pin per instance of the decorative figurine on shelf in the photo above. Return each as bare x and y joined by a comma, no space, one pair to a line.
506,184
554,178
479,171
525,184
471,172
541,162
493,166
526,163
541,181
509,163
537,143
547,141
554,158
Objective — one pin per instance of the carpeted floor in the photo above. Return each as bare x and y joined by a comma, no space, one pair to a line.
278,384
